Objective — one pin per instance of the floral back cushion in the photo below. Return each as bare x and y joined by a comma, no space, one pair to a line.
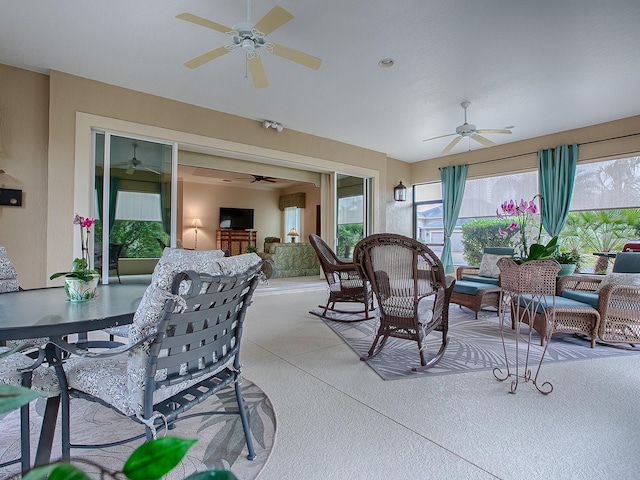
489,265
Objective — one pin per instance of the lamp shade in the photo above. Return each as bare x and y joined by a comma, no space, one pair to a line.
292,233
196,223
400,193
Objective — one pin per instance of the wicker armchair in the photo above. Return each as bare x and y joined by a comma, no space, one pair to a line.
413,293
344,280
617,303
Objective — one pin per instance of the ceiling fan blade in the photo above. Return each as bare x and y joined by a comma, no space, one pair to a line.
257,72
484,141
207,57
274,19
189,17
453,143
296,56
152,170
441,136
493,130
269,180
130,170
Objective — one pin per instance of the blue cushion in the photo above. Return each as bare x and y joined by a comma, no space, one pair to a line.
547,301
585,297
498,250
627,262
479,279
470,288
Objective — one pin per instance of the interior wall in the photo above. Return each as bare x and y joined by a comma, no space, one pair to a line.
69,151
203,201
612,139
399,214
24,111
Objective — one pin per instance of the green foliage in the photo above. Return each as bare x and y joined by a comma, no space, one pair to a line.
348,235
480,233
154,459
539,251
568,257
12,397
251,249
138,238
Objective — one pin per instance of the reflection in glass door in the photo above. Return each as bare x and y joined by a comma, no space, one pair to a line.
133,183
353,213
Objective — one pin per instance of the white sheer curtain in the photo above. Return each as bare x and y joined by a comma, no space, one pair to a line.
291,220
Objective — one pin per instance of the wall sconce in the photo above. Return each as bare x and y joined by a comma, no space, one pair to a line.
293,234
272,124
400,193
197,224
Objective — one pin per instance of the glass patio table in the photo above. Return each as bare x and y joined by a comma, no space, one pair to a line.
45,312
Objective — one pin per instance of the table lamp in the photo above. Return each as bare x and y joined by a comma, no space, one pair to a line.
293,234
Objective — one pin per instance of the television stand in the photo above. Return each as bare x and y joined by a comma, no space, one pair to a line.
236,241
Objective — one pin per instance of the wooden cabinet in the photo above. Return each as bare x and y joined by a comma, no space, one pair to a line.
236,241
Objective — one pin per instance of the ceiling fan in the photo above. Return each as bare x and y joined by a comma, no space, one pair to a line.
469,130
134,164
260,178
251,38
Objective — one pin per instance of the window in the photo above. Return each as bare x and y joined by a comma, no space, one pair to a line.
291,220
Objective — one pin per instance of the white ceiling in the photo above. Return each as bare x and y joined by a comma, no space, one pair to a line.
542,66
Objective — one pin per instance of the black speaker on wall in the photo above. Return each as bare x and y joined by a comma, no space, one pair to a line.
11,197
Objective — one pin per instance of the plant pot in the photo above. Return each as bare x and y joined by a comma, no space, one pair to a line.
537,277
79,290
566,269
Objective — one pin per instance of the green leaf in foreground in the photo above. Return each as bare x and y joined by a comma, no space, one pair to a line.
154,459
56,471
212,475
12,397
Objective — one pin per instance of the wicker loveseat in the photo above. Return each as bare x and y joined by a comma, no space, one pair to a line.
293,259
616,296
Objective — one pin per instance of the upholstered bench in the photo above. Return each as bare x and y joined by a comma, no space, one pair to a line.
476,295
571,316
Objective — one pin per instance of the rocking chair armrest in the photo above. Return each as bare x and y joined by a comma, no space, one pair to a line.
112,352
346,267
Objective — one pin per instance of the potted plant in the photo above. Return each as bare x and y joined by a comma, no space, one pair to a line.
568,260
81,281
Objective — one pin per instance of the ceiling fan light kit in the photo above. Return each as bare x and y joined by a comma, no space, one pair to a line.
469,130
271,124
250,38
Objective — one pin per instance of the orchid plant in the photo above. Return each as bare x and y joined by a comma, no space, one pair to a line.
80,266
525,230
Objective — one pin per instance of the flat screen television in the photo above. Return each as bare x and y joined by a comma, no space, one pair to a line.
236,218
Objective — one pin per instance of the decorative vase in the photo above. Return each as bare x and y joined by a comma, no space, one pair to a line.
566,269
80,290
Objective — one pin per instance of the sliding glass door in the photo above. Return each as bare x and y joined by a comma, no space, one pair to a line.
353,212
133,196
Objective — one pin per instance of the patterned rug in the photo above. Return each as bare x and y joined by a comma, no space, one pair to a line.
473,345
220,445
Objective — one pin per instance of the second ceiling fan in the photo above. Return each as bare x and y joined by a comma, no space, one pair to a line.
251,38
469,130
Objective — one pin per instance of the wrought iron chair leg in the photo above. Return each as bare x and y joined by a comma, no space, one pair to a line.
245,422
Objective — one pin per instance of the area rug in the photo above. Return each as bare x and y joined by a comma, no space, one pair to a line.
473,345
220,445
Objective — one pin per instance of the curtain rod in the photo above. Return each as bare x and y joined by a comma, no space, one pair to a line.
531,153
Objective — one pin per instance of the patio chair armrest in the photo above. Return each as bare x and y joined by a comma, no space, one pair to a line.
468,270
73,349
582,283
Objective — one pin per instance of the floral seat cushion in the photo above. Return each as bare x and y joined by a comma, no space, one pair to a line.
43,380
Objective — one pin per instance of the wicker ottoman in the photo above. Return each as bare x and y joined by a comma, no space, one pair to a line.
570,317
476,295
